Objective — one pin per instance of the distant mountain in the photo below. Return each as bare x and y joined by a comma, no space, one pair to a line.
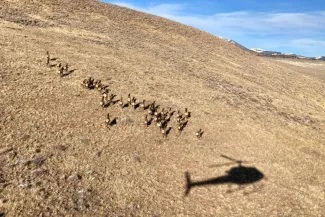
261,52
235,43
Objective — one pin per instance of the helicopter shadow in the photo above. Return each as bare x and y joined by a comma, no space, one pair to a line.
240,175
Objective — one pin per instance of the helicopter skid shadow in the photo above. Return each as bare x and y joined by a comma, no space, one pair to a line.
230,190
255,189
244,187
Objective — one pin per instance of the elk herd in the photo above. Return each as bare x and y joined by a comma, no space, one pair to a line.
154,114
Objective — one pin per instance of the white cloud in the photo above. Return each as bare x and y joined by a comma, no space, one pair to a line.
313,20
127,5
287,27
160,9
311,46
169,9
307,42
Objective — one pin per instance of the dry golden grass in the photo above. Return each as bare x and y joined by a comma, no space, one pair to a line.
58,159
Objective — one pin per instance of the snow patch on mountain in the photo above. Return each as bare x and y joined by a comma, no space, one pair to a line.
320,58
263,52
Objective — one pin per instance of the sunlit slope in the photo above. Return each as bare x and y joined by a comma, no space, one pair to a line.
268,113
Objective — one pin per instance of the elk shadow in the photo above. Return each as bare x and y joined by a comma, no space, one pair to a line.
113,122
106,105
52,65
68,73
112,96
183,126
136,106
115,101
168,131
104,88
150,122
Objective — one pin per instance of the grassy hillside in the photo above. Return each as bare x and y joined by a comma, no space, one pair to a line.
57,158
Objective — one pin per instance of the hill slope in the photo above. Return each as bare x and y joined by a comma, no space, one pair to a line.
58,158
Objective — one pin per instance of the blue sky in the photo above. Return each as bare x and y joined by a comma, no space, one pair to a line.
290,26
